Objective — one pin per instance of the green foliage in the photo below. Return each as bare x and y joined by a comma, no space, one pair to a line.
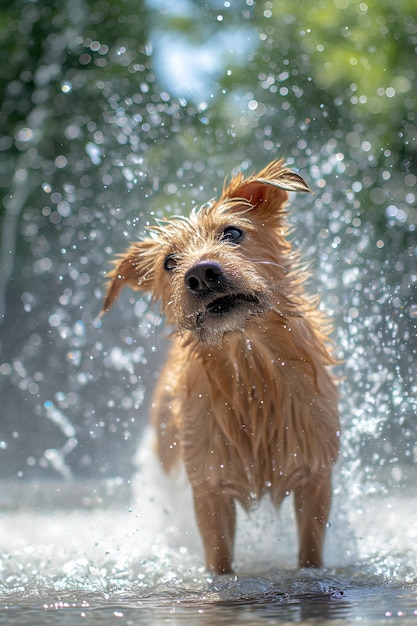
365,54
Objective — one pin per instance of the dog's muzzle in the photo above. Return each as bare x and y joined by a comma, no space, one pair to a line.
205,278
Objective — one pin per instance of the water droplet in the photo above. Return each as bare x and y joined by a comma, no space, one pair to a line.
94,152
66,86
24,134
413,311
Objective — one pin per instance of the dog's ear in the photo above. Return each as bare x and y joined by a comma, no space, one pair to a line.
272,183
135,268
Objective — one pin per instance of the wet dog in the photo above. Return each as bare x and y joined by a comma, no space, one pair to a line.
245,398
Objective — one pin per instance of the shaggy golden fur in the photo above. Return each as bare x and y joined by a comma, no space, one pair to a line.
245,397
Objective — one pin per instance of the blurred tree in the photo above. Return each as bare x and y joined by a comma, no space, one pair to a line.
341,70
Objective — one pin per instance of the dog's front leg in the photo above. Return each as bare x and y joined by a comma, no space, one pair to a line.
216,518
312,500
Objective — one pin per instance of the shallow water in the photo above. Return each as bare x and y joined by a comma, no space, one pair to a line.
141,562
373,606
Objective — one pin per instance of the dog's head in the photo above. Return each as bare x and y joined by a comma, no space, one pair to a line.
224,264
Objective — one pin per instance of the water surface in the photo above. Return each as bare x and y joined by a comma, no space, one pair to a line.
140,562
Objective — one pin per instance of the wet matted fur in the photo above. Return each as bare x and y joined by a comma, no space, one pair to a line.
245,398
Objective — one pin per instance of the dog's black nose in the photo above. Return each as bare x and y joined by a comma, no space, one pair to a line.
204,277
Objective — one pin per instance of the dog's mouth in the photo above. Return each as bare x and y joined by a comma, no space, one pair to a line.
227,304
226,313
229,311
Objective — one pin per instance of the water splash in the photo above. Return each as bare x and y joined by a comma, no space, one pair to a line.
148,556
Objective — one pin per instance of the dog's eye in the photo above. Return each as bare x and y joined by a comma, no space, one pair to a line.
170,263
232,234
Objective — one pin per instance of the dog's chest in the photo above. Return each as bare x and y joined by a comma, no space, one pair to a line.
255,421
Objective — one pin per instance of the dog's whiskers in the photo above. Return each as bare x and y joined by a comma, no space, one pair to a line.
272,263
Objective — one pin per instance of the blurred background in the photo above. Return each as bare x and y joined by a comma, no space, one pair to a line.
116,112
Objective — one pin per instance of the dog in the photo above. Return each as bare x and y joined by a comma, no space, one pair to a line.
246,397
